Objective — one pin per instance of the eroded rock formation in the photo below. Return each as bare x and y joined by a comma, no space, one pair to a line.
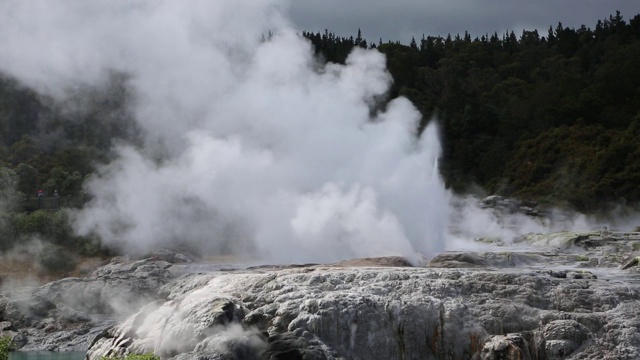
66,315
566,296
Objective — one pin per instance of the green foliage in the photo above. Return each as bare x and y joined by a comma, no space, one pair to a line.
90,246
18,111
51,225
543,117
10,197
29,179
587,166
6,345
55,259
8,235
63,182
55,145
133,357
61,246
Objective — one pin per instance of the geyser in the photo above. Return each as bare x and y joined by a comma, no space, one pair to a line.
251,147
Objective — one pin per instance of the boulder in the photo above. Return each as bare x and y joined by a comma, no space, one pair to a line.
506,347
564,337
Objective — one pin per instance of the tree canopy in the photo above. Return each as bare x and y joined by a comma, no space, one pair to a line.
551,117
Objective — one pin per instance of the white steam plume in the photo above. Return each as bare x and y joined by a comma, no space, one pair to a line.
251,147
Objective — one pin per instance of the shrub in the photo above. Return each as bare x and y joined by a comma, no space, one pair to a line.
51,225
54,259
6,345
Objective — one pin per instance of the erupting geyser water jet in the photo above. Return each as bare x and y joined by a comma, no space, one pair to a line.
251,147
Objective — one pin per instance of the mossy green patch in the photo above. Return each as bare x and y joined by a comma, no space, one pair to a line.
6,345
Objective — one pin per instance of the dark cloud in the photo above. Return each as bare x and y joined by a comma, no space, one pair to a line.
402,19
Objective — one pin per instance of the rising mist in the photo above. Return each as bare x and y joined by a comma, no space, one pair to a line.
251,146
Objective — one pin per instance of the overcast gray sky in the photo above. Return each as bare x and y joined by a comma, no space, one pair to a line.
402,19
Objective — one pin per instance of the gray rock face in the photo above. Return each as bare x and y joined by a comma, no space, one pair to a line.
66,315
546,304
566,296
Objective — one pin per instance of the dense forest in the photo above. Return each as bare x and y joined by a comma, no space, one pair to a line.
550,117
52,147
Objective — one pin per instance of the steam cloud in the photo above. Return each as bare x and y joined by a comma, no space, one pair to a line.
251,146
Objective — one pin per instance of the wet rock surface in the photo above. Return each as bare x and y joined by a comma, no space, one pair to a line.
552,296
65,315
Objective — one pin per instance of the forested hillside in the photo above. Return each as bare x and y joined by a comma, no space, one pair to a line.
553,117
53,146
